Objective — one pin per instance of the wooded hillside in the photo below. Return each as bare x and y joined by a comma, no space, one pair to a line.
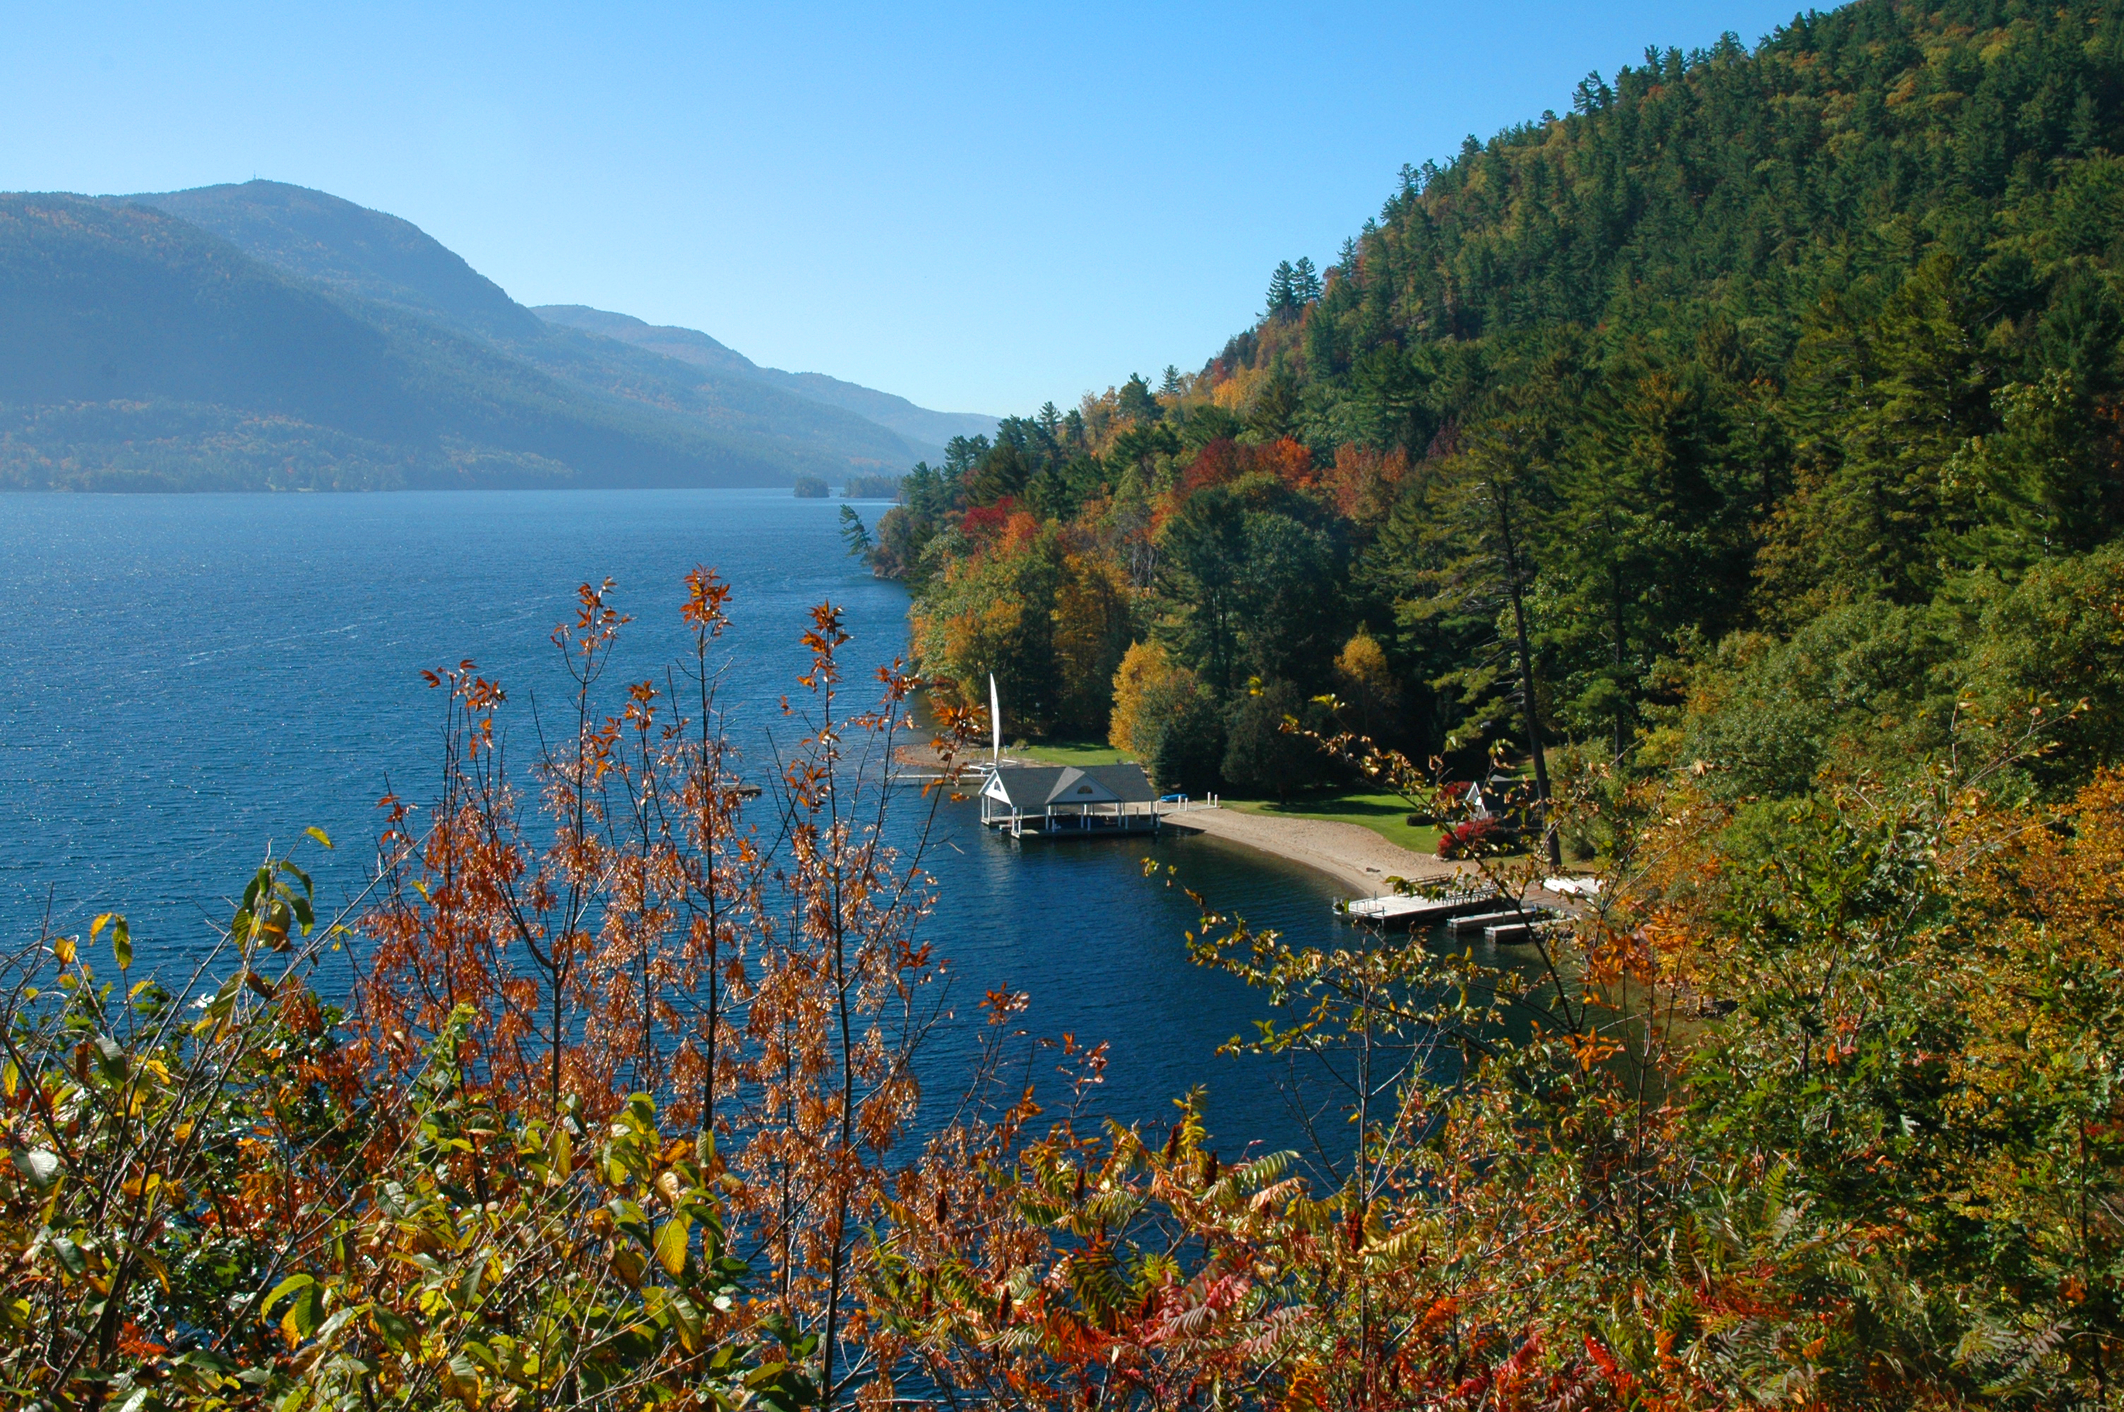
1775,392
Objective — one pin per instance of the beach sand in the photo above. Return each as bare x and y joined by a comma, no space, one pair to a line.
1351,854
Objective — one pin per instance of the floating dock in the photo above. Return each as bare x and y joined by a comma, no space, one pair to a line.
1487,922
1419,911
1516,933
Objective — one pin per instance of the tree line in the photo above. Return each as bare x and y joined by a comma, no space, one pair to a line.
1761,409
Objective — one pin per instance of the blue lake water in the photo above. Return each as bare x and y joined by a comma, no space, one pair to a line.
195,676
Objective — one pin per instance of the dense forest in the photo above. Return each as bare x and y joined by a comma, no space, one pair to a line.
1762,409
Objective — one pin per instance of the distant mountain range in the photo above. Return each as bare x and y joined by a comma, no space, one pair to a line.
918,424
268,336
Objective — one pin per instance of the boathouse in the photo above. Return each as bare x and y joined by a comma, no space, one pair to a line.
1061,800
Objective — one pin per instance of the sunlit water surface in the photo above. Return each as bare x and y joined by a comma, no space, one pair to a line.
194,677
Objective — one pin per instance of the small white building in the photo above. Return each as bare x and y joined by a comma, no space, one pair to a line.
1064,800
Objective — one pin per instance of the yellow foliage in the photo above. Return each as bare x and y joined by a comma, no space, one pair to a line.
1091,618
1236,393
1143,666
1365,676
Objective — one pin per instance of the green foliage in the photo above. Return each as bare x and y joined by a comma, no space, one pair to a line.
217,1205
1189,745
854,533
873,487
1756,383
1262,760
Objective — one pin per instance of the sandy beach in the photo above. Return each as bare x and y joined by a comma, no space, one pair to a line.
1353,855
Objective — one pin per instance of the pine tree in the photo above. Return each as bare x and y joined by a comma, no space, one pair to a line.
1137,404
1305,281
1282,301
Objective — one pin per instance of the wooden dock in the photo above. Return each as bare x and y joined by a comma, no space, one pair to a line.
1490,922
1397,911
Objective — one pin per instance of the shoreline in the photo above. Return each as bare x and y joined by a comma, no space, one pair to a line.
1349,853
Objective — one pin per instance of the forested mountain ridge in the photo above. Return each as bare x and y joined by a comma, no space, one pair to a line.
350,249
374,256
924,428
410,368
145,353
1774,393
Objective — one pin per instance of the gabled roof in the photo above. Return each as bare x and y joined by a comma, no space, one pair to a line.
1027,788
1023,787
1127,783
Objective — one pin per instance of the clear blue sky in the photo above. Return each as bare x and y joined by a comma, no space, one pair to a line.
978,207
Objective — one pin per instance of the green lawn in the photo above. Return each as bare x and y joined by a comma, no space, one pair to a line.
1384,814
1068,752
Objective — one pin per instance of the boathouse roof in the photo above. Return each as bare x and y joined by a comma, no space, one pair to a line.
1037,788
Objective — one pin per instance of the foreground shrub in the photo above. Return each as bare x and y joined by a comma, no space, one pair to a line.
1816,1105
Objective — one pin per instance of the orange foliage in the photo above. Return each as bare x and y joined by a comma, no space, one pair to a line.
1224,461
1365,483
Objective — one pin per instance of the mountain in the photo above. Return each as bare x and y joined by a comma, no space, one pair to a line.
350,250
917,424
380,259
265,335
145,353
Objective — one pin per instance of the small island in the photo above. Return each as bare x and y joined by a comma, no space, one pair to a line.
811,488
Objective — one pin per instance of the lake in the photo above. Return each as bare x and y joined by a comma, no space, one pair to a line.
198,676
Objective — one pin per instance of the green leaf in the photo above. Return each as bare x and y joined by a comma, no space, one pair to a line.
69,1255
110,1059
319,834
397,1331
561,1154
122,943
305,1312
291,1285
39,1165
671,1243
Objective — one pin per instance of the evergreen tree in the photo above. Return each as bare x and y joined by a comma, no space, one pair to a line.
1282,295
1485,509
1305,281
854,534
1137,404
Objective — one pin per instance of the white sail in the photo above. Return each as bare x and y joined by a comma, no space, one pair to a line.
995,716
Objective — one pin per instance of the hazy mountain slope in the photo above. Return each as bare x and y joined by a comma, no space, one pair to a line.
350,249
373,256
919,424
144,351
